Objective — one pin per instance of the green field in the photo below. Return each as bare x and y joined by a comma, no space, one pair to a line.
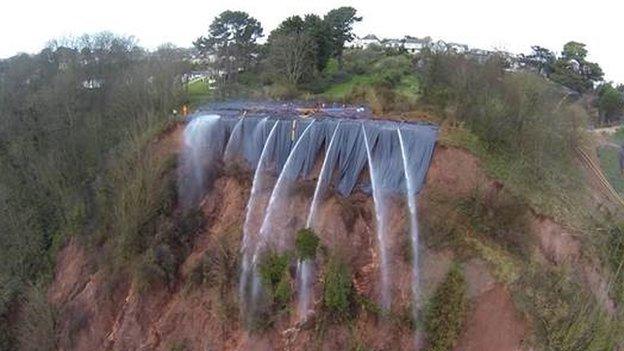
609,163
198,92
409,86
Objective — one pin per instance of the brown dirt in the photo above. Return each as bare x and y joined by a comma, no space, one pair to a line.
455,172
494,324
556,244
72,272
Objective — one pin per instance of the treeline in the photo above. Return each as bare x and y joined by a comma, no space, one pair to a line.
307,55
572,70
296,52
67,115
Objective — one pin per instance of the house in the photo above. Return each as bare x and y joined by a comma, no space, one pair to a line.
415,45
439,46
458,48
392,43
365,42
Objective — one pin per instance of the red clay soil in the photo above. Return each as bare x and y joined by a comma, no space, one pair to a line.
455,172
96,315
494,324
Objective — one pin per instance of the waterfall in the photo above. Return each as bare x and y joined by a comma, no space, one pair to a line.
273,140
305,268
305,271
380,219
288,174
234,139
257,185
413,212
201,148
321,185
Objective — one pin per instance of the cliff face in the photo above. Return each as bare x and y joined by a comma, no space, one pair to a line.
190,314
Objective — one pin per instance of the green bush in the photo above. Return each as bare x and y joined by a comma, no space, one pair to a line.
526,127
337,289
272,267
306,243
446,312
389,71
283,290
357,62
275,274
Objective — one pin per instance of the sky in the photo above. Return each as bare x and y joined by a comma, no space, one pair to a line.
27,25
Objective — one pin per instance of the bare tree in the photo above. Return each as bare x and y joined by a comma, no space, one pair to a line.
292,56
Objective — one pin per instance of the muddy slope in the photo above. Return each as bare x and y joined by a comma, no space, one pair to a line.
96,315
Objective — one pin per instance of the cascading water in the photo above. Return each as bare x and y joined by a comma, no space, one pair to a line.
234,139
276,204
305,267
305,270
322,183
257,185
276,141
413,212
201,149
380,219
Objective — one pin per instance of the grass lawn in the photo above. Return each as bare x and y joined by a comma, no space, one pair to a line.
610,166
609,162
341,90
409,86
198,92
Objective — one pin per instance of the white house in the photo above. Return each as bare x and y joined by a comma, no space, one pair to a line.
365,42
414,45
457,48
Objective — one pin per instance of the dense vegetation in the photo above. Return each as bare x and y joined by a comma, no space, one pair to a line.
71,115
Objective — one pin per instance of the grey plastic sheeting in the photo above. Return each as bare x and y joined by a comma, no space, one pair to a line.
235,136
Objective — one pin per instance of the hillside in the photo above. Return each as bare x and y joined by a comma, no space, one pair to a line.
468,222
315,197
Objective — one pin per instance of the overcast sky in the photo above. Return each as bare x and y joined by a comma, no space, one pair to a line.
26,25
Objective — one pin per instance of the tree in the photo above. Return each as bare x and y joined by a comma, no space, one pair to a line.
574,71
62,141
292,56
320,32
540,59
231,41
610,103
292,51
340,22
574,51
